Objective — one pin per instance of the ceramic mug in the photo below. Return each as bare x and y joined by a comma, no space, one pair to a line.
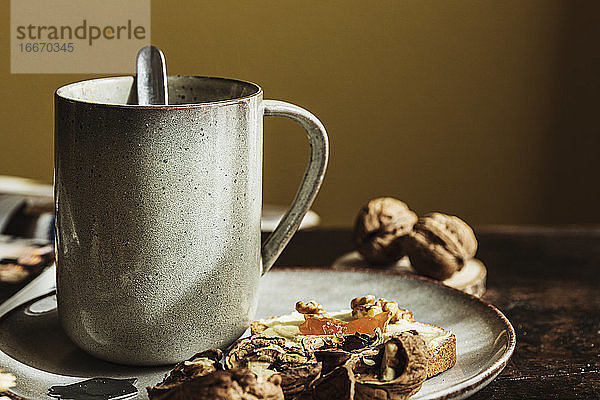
158,213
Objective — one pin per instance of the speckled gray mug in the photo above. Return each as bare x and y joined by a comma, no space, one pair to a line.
158,214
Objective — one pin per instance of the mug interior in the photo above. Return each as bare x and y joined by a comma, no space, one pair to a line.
183,90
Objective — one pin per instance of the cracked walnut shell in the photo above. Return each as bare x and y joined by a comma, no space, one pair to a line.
200,364
380,229
440,245
393,370
233,384
266,356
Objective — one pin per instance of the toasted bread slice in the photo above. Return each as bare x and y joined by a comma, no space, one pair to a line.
440,342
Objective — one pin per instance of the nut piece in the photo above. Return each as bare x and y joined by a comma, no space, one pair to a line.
397,312
380,229
312,308
12,273
439,245
6,381
367,306
367,300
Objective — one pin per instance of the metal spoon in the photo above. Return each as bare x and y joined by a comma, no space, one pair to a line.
151,70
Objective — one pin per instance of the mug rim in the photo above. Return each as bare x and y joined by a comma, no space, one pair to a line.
57,93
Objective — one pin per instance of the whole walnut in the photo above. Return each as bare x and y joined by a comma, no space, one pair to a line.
380,229
440,245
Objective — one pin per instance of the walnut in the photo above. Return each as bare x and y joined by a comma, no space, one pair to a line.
297,379
265,349
380,229
364,305
367,306
440,245
333,351
330,359
367,310
6,381
266,356
401,371
393,308
362,301
36,256
233,384
200,364
395,369
338,384
12,273
312,308
202,377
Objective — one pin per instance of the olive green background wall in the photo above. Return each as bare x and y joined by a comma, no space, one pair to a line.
485,109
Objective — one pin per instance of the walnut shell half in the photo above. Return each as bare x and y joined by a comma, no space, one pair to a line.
234,384
332,350
265,349
199,364
402,369
380,229
440,245
274,355
394,370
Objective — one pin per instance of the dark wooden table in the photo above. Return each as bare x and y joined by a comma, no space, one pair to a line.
545,280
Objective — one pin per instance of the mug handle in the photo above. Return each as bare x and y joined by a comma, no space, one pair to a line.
313,177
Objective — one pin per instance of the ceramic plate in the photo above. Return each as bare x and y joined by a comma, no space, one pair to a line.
34,348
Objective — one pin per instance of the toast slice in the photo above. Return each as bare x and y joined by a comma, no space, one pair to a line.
441,343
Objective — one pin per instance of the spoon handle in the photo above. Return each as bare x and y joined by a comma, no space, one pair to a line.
151,76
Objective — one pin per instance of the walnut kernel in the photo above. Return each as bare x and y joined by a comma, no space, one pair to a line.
367,306
362,301
310,308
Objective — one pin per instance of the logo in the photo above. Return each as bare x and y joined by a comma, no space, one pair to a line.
67,36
